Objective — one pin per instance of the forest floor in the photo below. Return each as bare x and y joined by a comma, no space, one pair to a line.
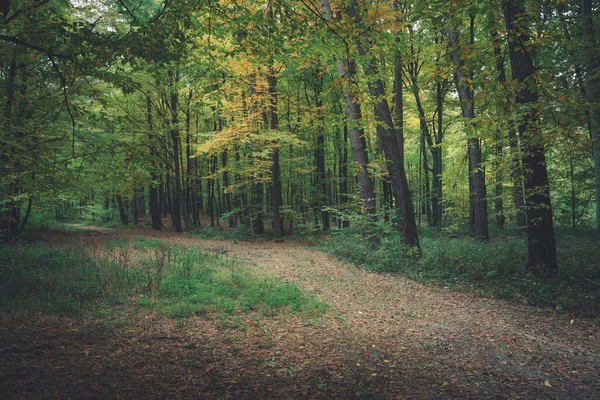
383,337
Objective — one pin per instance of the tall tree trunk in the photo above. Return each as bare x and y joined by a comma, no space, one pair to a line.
343,177
498,203
540,230
190,188
592,88
174,132
135,209
212,166
276,194
477,189
346,69
434,143
227,189
154,205
26,216
513,141
390,138
122,212
436,156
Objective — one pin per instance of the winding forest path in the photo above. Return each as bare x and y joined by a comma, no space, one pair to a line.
384,336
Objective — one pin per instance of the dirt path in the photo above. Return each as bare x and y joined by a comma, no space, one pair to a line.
384,337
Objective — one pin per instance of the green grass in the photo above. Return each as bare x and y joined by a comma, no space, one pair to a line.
66,281
494,269
200,281
241,232
172,280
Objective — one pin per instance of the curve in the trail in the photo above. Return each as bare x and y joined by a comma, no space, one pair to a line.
387,335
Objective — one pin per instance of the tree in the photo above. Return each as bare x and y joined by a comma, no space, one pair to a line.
478,221
592,89
540,230
346,70
390,136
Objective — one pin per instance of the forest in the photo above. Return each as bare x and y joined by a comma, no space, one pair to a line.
299,199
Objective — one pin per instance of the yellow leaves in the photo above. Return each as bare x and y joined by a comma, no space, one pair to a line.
547,384
242,67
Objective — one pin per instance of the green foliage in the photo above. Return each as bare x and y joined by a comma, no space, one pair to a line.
65,281
241,232
492,269
199,281
173,280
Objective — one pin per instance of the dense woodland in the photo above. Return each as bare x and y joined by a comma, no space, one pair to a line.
299,116
292,199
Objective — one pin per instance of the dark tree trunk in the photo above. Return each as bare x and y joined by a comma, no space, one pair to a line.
211,190
592,88
190,188
426,188
26,216
498,203
276,194
135,209
154,206
122,212
433,197
321,178
174,132
142,201
258,226
227,189
436,155
477,190
344,173
392,141
346,70
540,230
155,211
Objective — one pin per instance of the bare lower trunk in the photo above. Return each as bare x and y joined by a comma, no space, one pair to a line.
540,230
477,190
592,88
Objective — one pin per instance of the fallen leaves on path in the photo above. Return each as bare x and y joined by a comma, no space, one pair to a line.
384,337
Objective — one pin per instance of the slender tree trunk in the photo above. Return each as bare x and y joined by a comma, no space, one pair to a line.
477,189
436,156
174,132
122,212
190,189
346,69
276,194
227,189
135,210
344,173
390,138
154,206
592,88
513,141
540,230
434,197
26,216
211,190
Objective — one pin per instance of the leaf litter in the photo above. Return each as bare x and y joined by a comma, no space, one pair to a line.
384,336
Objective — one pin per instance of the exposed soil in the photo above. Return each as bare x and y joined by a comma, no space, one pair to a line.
384,336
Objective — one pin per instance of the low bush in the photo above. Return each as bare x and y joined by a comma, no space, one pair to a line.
494,269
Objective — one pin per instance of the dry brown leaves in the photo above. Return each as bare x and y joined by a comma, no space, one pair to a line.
384,337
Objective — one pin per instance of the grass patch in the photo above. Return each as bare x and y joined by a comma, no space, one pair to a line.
199,281
66,281
241,232
145,275
494,269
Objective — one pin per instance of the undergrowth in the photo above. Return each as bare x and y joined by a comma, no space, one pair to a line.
494,269
144,275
